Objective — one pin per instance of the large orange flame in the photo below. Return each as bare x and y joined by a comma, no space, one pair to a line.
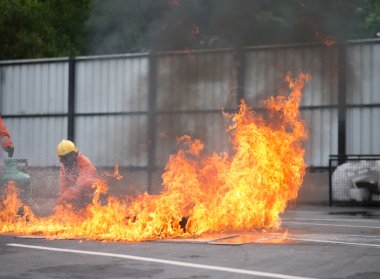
213,193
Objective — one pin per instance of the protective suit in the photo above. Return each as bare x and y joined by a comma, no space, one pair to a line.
77,176
5,139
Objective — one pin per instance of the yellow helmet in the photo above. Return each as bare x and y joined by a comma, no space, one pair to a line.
65,147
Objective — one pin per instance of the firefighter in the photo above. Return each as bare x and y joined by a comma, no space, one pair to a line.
5,139
77,176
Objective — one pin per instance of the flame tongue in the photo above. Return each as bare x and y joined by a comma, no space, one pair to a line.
265,172
216,193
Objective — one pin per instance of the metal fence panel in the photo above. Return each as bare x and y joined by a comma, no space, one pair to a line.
266,68
110,140
30,89
322,140
361,60
36,139
197,81
362,130
34,88
112,100
257,86
375,62
112,85
362,93
354,75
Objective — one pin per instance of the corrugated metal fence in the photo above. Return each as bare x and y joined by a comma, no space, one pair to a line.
129,109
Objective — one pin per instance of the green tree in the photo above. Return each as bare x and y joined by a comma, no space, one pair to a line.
372,18
42,28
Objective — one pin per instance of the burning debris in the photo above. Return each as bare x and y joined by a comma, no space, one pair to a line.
327,41
201,193
116,174
195,30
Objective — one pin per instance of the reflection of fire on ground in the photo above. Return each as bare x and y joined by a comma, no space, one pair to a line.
217,193
234,238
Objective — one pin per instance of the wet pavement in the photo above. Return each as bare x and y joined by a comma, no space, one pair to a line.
316,242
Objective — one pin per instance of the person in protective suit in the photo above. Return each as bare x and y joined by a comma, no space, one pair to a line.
5,139
77,176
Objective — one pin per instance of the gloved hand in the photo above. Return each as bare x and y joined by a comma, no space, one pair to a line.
10,151
7,145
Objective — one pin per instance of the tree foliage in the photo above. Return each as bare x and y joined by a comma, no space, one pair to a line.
372,19
42,28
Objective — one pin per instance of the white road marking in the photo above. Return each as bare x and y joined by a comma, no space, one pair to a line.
362,235
338,236
330,225
331,220
334,242
303,211
169,262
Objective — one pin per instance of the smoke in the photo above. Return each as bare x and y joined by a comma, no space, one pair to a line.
219,23
119,26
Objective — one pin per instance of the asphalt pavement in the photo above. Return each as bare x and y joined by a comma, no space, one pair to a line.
320,242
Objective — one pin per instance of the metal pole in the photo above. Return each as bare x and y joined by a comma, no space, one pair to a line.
330,182
342,64
1,96
71,103
240,72
152,118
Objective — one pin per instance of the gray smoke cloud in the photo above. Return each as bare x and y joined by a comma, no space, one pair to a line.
119,26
